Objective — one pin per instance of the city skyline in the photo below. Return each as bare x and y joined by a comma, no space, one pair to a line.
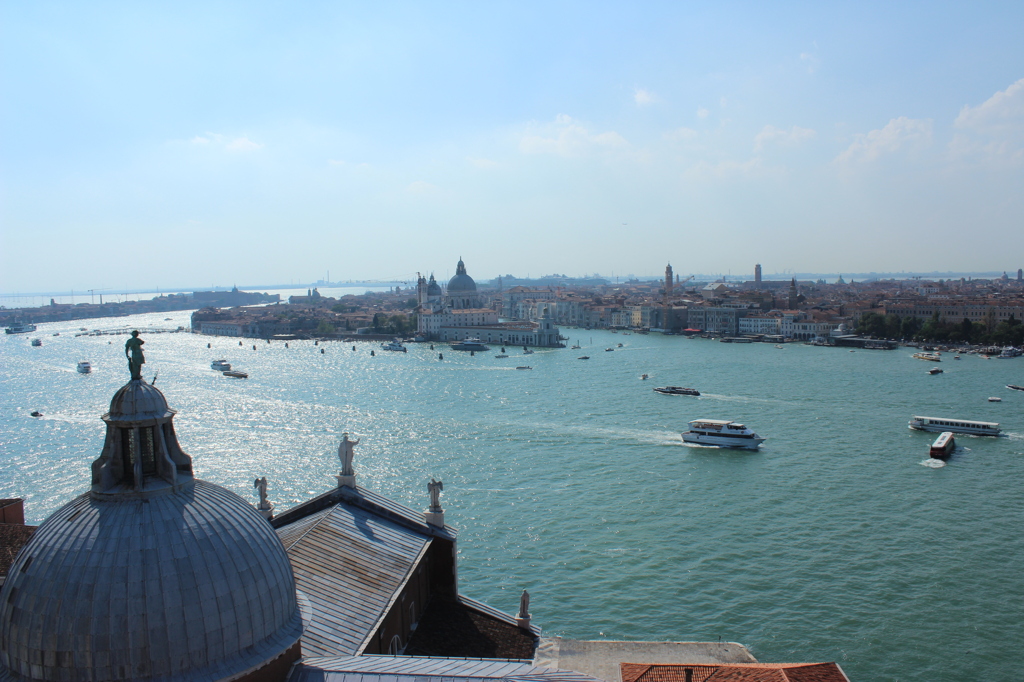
263,143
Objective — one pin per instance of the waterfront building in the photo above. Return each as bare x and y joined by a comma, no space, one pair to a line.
760,324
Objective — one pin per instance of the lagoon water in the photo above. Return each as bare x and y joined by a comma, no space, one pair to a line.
839,540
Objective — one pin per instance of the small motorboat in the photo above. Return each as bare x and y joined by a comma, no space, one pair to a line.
393,345
676,390
1015,387
643,377
37,342
35,413
221,365
575,347
500,356
583,357
994,399
235,374
620,345
935,370
84,367
524,367
943,446
779,347
608,350
956,357
527,351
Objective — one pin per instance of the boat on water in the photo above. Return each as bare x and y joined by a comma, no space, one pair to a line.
930,357
393,345
470,344
527,351
935,370
501,355
575,347
587,357
608,350
221,365
37,342
643,377
1009,353
994,399
235,374
20,328
939,424
943,446
84,367
524,367
723,434
675,390
620,345
1015,387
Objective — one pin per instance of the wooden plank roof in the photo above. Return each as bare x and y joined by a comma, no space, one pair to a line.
425,669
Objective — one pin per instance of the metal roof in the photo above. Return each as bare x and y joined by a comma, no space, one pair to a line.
425,669
348,563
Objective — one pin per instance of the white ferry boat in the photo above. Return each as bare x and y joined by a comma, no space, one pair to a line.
943,446
724,434
393,345
470,344
930,357
21,328
84,367
221,365
938,425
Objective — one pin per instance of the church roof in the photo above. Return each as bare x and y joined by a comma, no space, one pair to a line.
426,669
461,282
193,584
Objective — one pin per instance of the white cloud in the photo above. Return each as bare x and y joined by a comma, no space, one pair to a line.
644,97
421,187
702,113
481,163
681,134
793,136
809,61
336,162
994,128
237,144
898,134
703,170
568,138
243,144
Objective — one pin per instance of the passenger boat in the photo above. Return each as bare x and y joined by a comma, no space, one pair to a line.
675,390
470,344
393,345
938,425
37,342
723,434
1009,353
20,328
221,365
1015,387
943,446
84,367
930,357
236,374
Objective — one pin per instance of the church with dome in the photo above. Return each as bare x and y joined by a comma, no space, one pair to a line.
460,312
154,574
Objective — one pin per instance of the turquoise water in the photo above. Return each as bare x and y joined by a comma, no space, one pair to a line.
835,542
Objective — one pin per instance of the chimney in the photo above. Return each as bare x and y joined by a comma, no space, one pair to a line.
688,672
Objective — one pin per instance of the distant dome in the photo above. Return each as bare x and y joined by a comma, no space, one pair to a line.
461,282
152,574
433,288
186,585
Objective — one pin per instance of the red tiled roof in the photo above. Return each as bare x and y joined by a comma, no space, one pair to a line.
13,537
734,672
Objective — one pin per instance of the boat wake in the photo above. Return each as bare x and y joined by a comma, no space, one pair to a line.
932,463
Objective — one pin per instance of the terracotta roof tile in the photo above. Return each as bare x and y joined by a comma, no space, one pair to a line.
733,672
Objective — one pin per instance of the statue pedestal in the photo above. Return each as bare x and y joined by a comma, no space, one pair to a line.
267,513
524,623
346,481
434,518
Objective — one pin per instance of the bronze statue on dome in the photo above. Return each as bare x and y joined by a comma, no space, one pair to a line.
135,359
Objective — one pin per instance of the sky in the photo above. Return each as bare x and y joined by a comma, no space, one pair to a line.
193,144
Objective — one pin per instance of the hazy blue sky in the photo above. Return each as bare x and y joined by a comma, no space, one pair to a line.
199,143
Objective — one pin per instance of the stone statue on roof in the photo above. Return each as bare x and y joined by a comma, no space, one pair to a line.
435,488
133,351
261,485
524,605
346,451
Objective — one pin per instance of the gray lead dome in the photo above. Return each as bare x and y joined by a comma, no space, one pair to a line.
461,282
189,585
